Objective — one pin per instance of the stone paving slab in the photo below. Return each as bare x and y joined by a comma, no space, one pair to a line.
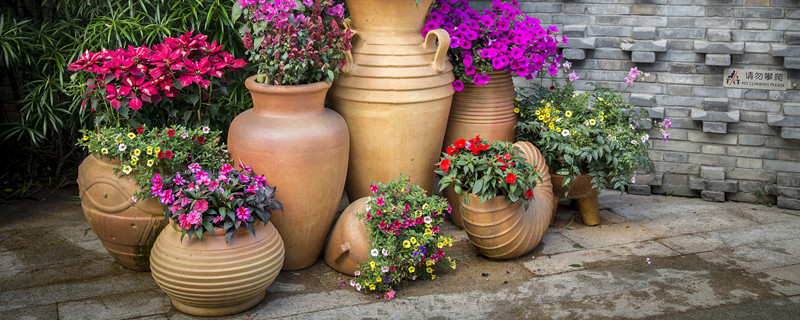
575,260
708,241
119,306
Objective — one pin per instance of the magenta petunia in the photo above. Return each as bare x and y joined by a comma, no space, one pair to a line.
480,79
458,85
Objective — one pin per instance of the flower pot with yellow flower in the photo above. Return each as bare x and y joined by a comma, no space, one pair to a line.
590,140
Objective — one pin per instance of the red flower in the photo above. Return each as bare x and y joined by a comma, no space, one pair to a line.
139,129
171,132
552,88
201,139
510,178
160,155
168,154
451,151
528,194
460,143
445,165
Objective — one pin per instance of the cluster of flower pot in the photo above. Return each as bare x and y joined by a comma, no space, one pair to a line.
412,89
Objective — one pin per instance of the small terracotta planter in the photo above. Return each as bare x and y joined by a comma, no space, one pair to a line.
212,278
127,229
584,194
348,245
504,230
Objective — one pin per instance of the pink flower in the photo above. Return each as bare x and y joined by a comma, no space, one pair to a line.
458,85
193,217
201,206
166,196
194,167
480,79
217,219
373,188
251,189
243,213
389,295
380,201
574,76
667,123
225,169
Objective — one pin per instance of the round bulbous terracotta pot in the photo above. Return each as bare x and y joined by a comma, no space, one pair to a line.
127,228
501,229
395,94
348,245
583,193
209,277
486,110
301,147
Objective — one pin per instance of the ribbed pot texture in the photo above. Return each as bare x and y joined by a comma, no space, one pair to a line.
395,94
212,278
301,147
348,245
504,230
585,196
126,228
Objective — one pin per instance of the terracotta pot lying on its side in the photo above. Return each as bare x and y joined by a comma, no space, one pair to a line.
348,245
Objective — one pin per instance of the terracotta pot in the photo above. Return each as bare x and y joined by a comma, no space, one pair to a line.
504,230
127,229
395,94
348,245
584,194
212,278
302,148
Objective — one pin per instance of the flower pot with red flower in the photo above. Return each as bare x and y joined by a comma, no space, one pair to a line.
116,178
219,252
395,93
504,191
590,140
289,133
400,224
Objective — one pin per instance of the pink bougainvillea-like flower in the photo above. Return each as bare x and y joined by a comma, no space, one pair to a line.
243,213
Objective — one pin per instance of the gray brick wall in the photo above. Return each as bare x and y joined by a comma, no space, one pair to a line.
726,143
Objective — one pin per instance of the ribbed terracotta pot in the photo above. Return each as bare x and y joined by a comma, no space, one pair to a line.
504,230
126,228
395,94
348,245
212,278
584,194
486,110
301,147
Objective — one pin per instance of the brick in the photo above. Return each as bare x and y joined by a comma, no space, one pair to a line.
607,9
681,68
753,116
675,190
788,203
719,12
751,174
574,30
654,113
722,35
716,116
751,186
763,13
788,154
719,48
749,163
608,42
639,189
685,168
713,173
756,47
723,186
569,8
681,33
793,13
642,100
711,92
712,149
565,19
673,178
713,196
610,31
790,133
651,46
643,21
644,33
789,192
783,121
762,3
676,44
681,56
679,90
751,105
752,140
791,37
715,127
771,189
791,63
718,59
697,136
791,109
782,165
752,152
643,57
582,43
756,59
680,78
780,50
686,101
785,24
715,160
788,179
718,105
574,54
678,157
679,11
677,112
753,128
653,88
755,94
761,36
539,7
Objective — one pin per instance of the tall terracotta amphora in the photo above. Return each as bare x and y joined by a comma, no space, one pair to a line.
127,228
300,147
395,94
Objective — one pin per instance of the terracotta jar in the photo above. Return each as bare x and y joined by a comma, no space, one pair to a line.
504,230
209,277
126,228
486,110
585,196
348,245
301,147
395,94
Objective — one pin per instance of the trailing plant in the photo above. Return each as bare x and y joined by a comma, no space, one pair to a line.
403,227
595,133
487,170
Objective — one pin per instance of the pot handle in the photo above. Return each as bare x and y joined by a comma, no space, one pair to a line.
440,59
351,63
340,250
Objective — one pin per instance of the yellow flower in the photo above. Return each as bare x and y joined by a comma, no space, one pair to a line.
134,162
134,158
428,232
127,169
551,126
411,269
372,264
600,98
439,245
454,265
433,277
429,270
149,150
85,137
568,114
131,135
406,244
104,151
425,206
574,95
592,121
156,149
429,263
558,128
137,152
541,118
377,279
537,112
150,162
413,240
516,99
516,110
372,287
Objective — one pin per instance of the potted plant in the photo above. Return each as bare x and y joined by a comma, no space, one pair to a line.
232,252
590,139
299,47
405,242
495,182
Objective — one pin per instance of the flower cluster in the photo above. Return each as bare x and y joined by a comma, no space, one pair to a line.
403,225
175,75
594,133
200,201
143,152
487,170
501,39
294,42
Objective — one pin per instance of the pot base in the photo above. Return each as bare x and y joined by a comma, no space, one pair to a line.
217,311
584,195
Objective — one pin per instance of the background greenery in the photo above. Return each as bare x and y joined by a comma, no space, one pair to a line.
38,39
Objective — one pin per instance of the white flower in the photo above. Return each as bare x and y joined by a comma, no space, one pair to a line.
645,138
184,135
565,132
358,286
384,269
374,252
352,283
122,147
427,219
385,252
357,273
206,129
634,142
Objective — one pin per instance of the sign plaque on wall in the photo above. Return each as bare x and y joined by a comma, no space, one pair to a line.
755,79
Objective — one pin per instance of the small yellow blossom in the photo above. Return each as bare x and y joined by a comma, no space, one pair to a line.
541,118
411,269
429,270
156,149
137,152
424,206
600,98
537,112
150,162
127,169
131,135
378,279
433,277
85,137
134,162
413,240
372,287
568,114
406,244
372,264
516,110
592,121
104,151
149,150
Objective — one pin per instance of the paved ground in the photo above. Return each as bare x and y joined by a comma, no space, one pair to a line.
706,261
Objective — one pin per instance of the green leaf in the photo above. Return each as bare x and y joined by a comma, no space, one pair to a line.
575,265
476,188
236,12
